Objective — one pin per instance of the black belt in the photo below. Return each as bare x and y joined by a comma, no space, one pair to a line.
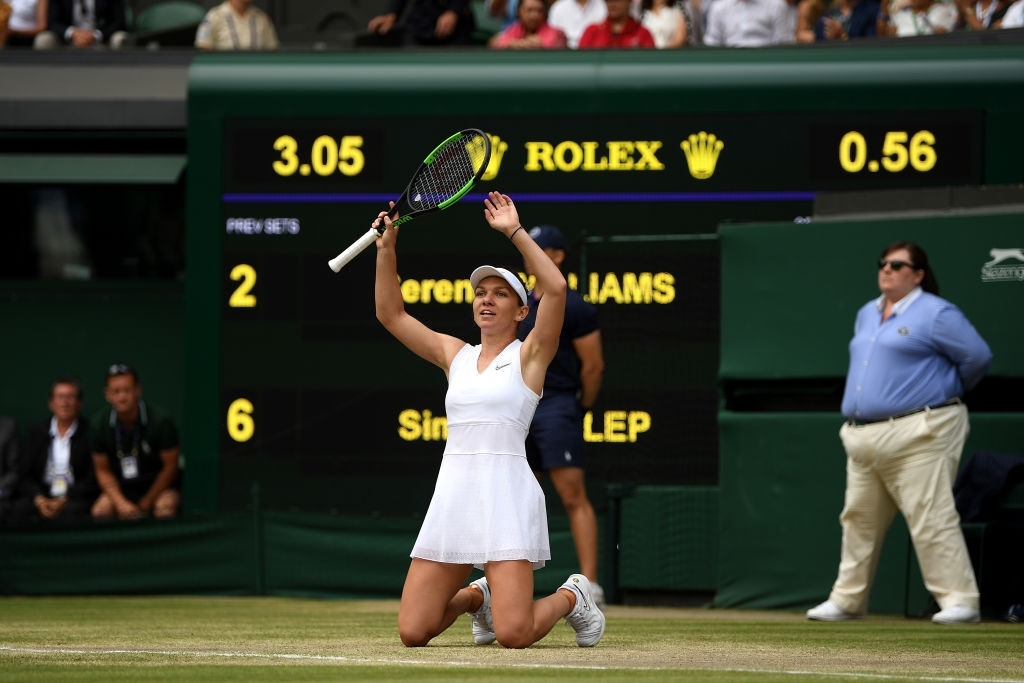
951,402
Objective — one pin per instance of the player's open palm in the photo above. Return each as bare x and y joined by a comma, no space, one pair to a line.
500,212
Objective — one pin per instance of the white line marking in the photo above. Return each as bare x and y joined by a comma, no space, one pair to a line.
342,659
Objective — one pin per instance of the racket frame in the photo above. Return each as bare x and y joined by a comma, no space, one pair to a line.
339,261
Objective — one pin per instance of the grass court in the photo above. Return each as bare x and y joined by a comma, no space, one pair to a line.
107,638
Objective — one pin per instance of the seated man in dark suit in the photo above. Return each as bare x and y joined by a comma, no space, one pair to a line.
57,480
429,22
84,23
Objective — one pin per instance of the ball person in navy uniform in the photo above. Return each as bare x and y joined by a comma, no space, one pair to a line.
135,453
571,386
912,357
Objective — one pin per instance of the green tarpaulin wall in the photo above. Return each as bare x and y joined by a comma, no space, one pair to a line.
789,296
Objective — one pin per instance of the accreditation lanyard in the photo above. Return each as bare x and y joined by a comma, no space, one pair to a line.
253,34
129,461
59,474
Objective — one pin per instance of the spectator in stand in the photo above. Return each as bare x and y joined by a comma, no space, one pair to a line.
27,20
979,15
845,19
84,24
430,22
748,23
9,445
531,32
919,18
57,480
1014,16
619,30
135,453
666,22
572,17
236,25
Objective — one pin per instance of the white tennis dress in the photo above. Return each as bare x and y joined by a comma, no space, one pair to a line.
487,504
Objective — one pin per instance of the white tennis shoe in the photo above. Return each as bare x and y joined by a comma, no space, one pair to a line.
586,618
957,614
830,611
483,624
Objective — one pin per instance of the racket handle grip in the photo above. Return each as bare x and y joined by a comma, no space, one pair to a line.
339,261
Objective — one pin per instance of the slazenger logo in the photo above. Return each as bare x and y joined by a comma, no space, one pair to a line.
1006,265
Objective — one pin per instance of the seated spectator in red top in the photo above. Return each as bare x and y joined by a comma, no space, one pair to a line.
619,29
532,30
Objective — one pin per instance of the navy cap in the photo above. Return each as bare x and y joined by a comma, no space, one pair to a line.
548,236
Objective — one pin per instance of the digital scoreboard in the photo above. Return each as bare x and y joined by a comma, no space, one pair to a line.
675,155
311,399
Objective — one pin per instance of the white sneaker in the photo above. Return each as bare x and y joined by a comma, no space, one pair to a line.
483,624
598,594
957,614
829,611
586,618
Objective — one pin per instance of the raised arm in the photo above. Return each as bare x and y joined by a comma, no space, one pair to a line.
437,348
542,342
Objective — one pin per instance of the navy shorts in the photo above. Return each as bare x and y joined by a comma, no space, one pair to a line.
556,433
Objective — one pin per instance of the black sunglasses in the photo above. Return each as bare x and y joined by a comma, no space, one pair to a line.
895,264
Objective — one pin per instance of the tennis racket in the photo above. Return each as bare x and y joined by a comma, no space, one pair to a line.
447,173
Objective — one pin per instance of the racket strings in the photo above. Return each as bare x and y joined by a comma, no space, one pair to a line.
454,167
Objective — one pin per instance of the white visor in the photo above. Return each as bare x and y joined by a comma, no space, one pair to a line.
491,271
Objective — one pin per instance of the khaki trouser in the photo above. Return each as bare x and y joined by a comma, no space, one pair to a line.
906,464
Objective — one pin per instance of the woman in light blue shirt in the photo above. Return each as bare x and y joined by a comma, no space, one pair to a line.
912,357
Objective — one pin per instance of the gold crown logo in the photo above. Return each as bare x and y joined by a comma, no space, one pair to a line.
702,150
498,147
